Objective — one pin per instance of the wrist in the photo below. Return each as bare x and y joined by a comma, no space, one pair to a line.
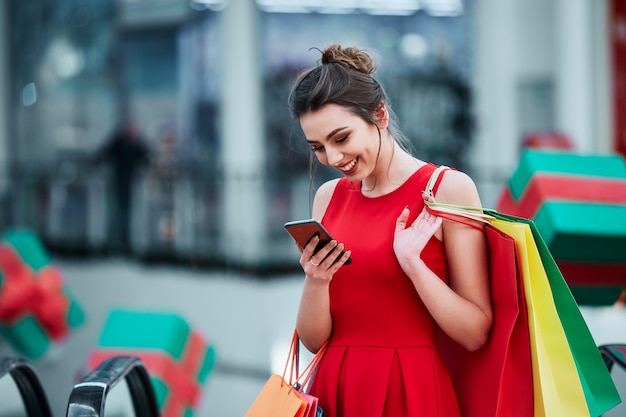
413,266
316,283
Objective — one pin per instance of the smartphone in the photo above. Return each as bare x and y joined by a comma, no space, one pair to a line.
303,230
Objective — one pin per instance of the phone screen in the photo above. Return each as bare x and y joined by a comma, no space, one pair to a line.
303,230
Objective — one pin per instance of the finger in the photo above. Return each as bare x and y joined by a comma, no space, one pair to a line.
402,219
336,255
422,216
322,254
340,261
428,197
309,248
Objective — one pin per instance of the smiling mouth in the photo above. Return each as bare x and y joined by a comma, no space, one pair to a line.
349,165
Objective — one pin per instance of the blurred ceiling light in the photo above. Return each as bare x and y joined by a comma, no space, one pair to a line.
29,94
65,60
376,7
382,7
443,8
213,5
414,45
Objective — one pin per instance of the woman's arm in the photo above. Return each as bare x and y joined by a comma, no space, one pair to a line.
463,307
314,322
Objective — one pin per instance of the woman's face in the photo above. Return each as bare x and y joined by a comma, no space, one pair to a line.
342,140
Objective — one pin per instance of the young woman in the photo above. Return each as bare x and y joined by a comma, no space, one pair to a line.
413,274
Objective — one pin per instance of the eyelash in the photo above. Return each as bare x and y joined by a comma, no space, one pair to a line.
321,148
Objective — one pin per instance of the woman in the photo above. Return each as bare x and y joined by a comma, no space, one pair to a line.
413,274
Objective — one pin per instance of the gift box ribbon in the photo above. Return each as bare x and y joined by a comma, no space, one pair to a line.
561,187
39,293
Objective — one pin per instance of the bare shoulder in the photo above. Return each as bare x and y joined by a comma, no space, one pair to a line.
322,198
457,187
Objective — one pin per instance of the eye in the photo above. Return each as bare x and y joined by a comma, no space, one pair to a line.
317,148
342,139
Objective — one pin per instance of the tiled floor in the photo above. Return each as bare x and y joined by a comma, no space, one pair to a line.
249,321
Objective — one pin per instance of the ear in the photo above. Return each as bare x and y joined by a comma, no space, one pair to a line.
382,116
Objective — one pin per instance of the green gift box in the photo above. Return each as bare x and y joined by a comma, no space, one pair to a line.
578,203
178,358
36,307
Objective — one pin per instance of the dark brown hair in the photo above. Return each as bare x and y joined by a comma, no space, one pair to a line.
343,76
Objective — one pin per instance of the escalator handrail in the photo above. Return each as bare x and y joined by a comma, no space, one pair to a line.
28,384
88,396
610,357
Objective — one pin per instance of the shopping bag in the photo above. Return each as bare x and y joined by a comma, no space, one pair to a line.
600,392
557,385
312,408
283,395
497,379
569,377
563,352
278,399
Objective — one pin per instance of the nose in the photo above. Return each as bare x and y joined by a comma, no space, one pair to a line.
333,155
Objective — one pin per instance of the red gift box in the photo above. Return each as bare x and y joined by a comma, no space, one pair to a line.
36,308
578,203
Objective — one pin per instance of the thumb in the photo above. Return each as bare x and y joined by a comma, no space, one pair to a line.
402,219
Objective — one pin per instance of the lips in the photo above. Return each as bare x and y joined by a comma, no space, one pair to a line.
347,168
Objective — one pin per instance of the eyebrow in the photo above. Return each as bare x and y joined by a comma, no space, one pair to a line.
331,134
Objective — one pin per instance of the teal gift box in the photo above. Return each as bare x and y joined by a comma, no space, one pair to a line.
36,307
578,203
178,358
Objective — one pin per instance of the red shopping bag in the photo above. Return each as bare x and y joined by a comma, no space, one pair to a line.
496,380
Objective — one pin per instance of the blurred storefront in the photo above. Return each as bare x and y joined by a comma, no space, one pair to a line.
206,83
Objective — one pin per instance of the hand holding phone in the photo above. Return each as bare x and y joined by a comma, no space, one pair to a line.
303,230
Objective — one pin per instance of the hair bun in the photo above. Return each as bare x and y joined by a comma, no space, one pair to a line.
350,57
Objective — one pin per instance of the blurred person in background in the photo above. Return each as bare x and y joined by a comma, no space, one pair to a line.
126,153
412,273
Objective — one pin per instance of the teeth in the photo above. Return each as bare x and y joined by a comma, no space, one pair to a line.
348,167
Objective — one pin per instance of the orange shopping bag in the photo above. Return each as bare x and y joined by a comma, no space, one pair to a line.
278,398
282,396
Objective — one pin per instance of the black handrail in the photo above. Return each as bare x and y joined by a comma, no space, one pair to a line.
610,357
28,384
88,396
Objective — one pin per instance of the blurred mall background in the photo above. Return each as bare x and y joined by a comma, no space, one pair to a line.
204,84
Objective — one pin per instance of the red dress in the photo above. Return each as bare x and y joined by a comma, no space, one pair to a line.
382,358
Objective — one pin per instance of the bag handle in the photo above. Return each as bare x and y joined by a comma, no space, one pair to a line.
434,177
453,212
293,362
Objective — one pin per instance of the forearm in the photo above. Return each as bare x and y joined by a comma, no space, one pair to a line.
461,319
314,322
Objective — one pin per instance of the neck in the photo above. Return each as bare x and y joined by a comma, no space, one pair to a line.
393,170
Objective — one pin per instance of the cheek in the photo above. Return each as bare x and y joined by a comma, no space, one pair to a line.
321,157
